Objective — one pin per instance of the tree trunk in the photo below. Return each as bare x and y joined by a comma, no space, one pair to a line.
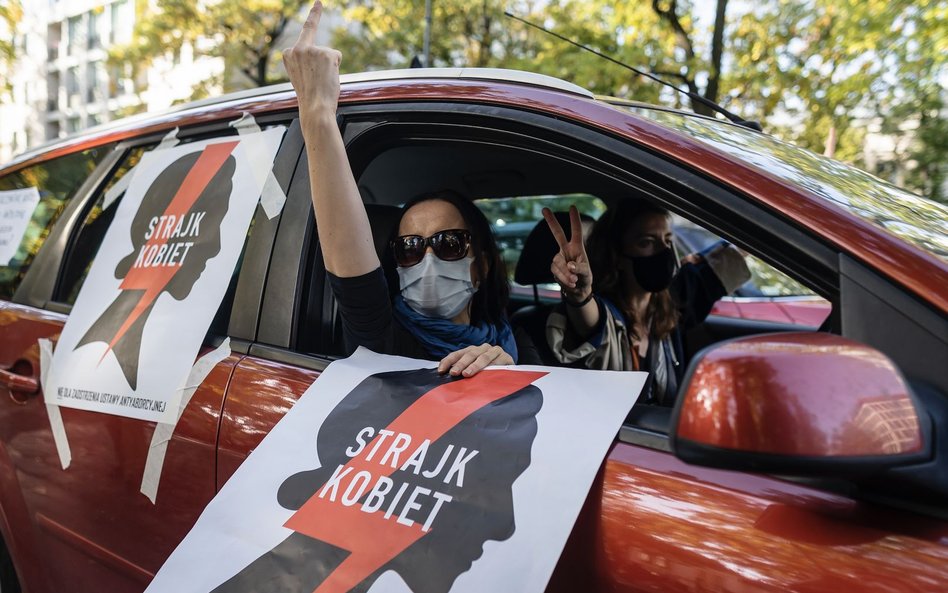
262,63
717,51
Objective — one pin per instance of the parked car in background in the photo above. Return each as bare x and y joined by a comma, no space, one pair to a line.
795,460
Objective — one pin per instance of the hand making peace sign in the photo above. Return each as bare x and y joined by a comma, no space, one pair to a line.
313,70
570,265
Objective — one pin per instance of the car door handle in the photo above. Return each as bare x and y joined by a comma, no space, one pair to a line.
19,383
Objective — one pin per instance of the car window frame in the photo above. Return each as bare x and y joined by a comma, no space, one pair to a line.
718,208
38,283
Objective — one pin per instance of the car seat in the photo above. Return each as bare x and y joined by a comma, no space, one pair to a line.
383,219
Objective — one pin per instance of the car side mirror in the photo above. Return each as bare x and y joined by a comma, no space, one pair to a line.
801,403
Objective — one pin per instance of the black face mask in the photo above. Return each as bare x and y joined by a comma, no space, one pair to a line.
654,272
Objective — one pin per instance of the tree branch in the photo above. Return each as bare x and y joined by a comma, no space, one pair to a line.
670,73
717,50
670,15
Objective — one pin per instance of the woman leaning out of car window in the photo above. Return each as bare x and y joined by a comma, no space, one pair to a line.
453,287
626,305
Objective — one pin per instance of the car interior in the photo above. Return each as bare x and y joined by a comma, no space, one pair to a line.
394,170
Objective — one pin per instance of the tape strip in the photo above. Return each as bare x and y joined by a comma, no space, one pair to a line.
170,139
52,410
163,432
272,198
118,189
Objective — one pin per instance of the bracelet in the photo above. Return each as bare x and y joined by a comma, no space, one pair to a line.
576,305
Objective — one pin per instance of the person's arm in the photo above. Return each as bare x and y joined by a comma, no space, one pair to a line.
570,267
704,279
344,232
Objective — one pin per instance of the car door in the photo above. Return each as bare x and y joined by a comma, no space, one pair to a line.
651,522
89,527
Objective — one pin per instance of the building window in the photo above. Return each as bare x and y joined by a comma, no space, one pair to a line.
52,130
121,29
73,124
52,92
92,81
73,31
93,34
118,80
54,33
72,82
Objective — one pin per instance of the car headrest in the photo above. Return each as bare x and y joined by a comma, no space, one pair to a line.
533,267
383,218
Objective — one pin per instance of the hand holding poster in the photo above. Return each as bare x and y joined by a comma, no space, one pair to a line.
418,482
159,277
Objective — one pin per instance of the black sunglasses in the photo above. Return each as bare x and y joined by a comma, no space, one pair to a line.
449,245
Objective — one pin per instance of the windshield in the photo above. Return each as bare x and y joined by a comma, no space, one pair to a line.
919,221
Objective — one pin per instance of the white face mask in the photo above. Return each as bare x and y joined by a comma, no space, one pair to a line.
437,288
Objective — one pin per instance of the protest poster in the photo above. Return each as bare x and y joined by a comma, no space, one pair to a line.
387,477
16,209
159,277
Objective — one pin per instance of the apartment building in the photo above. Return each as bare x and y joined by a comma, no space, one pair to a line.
62,81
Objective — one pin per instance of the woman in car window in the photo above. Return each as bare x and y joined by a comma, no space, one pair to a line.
453,287
626,304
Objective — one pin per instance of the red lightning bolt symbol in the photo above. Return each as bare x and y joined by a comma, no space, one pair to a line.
371,539
154,280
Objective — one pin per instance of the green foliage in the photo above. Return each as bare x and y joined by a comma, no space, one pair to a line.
814,71
242,32
826,65
11,11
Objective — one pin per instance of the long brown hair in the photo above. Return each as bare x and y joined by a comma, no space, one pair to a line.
603,248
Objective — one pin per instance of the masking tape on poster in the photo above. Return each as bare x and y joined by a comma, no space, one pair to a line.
52,410
272,198
163,431
113,193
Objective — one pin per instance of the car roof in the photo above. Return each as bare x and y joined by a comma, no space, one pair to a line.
648,126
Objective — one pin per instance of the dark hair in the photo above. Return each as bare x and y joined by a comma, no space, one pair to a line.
603,247
490,301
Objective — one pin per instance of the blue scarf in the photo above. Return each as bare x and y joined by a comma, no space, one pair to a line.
440,337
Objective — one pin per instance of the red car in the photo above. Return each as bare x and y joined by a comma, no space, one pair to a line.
798,461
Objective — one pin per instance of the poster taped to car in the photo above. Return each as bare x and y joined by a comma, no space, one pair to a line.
388,477
159,277
16,209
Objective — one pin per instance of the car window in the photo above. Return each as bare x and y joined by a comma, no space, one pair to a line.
92,232
770,295
513,218
57,181
915,219
766,281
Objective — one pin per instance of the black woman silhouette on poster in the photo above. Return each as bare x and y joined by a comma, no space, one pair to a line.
443,496
176,230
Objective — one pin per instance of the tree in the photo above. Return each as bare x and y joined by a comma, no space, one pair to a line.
10,14
390,34
243,32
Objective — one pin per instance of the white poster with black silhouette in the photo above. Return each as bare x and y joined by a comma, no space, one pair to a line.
159,277
387,477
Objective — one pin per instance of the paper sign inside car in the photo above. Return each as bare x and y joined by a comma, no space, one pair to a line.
16,209
159,277
417,483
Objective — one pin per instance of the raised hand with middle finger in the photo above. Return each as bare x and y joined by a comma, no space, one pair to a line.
345,235
313,70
